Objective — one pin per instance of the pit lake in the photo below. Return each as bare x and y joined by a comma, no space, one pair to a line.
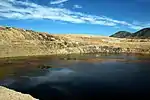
78,77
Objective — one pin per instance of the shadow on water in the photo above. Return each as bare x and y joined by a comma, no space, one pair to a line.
79,77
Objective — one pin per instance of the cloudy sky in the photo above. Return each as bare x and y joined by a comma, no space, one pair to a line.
102,17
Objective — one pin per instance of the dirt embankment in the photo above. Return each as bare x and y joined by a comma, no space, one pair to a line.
19,42
8,94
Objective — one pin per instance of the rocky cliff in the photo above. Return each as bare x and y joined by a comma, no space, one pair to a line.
19,42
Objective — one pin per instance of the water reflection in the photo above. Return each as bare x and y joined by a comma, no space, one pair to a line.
77,77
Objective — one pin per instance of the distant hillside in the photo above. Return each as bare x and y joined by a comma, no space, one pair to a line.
121,34
16,42
143,33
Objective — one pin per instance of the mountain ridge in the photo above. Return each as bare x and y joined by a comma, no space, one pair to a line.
143,33
121,34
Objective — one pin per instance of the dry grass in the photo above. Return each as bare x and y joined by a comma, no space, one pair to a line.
15,42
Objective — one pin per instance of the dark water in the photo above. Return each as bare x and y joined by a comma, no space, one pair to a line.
79,77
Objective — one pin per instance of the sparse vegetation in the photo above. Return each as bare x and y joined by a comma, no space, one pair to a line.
20,42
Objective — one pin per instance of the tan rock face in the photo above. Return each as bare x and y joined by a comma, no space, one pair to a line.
20,42
7,94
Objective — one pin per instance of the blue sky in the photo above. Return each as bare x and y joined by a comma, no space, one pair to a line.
100,17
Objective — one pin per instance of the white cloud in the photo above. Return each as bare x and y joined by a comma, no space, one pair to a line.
77,6
28,10
58,1
136,27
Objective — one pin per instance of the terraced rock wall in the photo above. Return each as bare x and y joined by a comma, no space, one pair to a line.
19,42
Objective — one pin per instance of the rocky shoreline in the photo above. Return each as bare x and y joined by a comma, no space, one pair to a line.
16,42
8,94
